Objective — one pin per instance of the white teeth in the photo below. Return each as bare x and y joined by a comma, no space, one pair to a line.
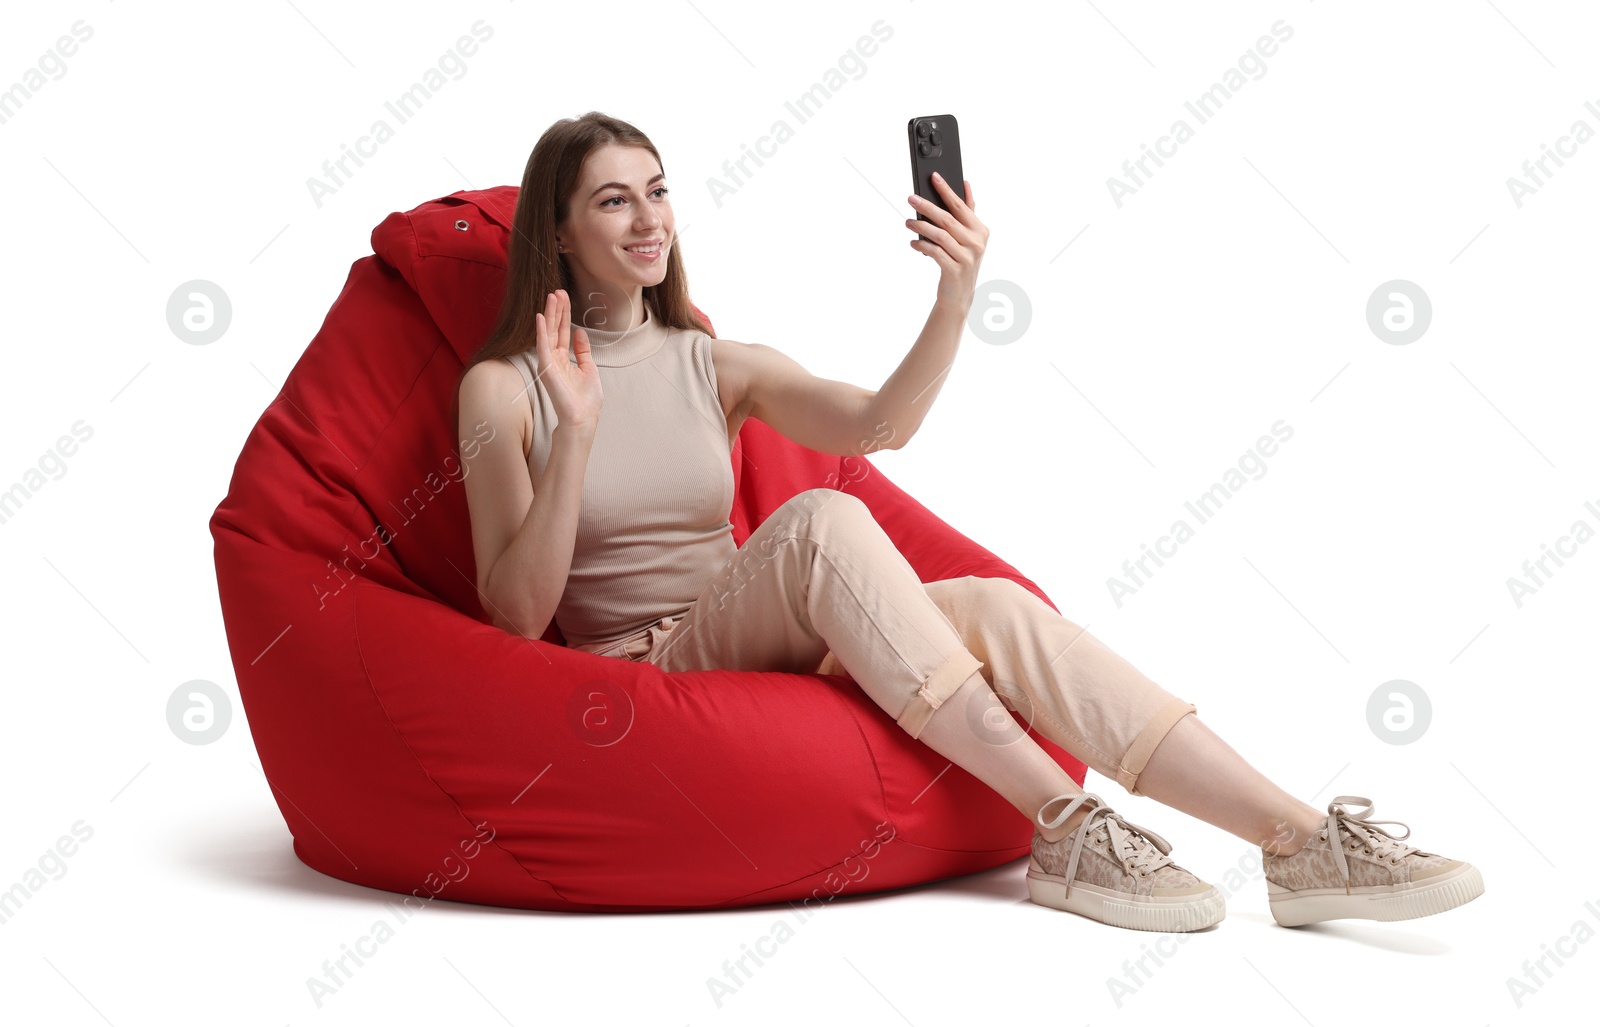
643,249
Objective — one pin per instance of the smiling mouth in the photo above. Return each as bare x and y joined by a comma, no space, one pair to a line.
649,253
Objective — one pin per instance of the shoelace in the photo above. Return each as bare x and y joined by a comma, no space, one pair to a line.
1388,847
1129,843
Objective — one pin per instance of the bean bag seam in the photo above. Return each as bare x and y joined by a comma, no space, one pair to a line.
417,252
1019,849
442,255
883,802
366,674
883,799
1018,852
377,440
353,496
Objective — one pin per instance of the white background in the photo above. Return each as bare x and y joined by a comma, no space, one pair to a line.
1227,293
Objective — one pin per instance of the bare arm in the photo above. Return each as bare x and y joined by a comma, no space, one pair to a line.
837,417
955,241
903,402
522,533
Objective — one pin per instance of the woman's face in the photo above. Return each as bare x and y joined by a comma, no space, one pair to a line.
619,226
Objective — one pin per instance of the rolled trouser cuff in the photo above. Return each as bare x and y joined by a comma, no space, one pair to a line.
951,675
1138,754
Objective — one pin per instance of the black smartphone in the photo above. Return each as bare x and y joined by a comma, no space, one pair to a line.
935,146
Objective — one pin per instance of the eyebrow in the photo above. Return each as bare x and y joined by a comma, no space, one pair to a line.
619,185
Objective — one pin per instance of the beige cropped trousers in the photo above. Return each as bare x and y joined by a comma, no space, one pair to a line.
820,588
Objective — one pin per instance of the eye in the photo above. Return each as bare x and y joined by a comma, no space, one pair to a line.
657,189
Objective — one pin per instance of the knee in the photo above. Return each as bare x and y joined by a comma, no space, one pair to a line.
983,609
809,509
1023,601
999,594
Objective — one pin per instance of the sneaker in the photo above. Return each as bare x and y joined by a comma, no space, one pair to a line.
1117,873
1353,869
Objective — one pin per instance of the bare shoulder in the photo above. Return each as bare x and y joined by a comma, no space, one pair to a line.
736,364
494,392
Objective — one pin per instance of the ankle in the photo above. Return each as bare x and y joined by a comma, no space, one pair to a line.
1289,838
1060,831
1285,848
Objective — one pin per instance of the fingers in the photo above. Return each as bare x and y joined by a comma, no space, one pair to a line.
940,227
541,345
959,221
547,331
557,320
954,248
938,236
546,322
957,205
940,256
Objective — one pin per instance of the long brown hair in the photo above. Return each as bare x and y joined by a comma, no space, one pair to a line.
533,267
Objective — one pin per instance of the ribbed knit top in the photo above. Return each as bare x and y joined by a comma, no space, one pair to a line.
653,522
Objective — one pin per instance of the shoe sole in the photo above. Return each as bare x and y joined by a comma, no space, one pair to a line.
1292,908
1120,909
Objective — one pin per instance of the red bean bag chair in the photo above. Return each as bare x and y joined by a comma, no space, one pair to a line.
413,746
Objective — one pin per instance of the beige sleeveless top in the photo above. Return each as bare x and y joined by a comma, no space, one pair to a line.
653,525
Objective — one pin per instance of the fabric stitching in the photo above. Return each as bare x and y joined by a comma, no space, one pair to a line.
366,674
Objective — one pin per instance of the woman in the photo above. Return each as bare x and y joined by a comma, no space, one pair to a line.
615,524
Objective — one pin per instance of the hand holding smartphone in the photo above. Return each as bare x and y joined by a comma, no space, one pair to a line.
935,146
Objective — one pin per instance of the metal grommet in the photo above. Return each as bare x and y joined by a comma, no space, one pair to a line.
461,225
